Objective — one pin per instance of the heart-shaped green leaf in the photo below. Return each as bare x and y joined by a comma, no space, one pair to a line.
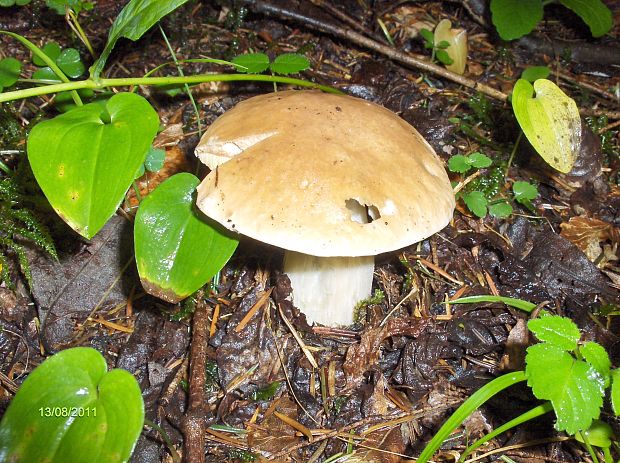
9,72
70,409
85,160
178,249
71,63
550,121
515,18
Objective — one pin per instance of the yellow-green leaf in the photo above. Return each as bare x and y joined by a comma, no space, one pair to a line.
550,121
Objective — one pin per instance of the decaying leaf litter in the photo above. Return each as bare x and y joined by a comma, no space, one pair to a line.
386,384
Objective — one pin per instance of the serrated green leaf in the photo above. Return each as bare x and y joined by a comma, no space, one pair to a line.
553,329
178,249
459,163
70,63
515,18
572,386
500,210
155,159
550,121
70,409
615,391
594,13
479,160
476,202
137,17
9,72
253,63
534,73
524,191
596,355
85,159
51,49
289,63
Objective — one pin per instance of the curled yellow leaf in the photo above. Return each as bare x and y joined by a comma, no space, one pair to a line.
457,51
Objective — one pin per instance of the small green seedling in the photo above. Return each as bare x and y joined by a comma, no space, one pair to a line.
61,6
516,18
483,195
572,376
438,50
70,408
285,64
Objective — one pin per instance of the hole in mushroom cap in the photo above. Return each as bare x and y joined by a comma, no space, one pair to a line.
362,213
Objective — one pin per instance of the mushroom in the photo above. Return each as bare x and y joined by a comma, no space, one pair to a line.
333,180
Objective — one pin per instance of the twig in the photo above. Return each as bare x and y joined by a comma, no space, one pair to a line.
352,36
195,423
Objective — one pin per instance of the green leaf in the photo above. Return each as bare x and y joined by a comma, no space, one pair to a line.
70,63
553,329
520,304
572,386
85,159
47,74
443,57
107,409
289,63
459,163
524,191
476,202
550,121
500,210
51,49
253,63
443,44
267,392
178,249
155,159
428,36
615,391
534,73
137,17
598,434
515,18
594,13
596,355
479,160
9,72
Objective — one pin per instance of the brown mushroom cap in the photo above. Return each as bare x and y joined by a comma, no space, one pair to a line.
315,161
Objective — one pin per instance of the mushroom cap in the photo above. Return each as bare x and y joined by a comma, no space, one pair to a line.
313,167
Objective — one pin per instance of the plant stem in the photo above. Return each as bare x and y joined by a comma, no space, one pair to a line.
46,59
175,456
75,26
126,82
187,89
529,415
513,152
460,414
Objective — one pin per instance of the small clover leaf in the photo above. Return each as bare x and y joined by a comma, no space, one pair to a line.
557,331
479,160
500,210
459,163
9,72
524,192
476,202
51,49
155,159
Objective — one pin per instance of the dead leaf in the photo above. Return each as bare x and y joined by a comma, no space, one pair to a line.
587,233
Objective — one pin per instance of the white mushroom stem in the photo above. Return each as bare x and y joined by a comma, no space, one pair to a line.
326,289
